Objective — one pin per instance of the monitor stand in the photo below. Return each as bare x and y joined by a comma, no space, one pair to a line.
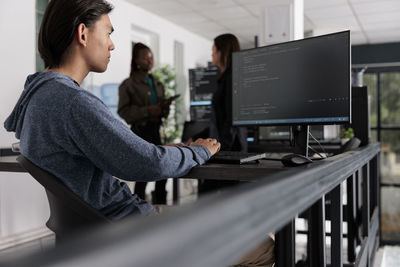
300,137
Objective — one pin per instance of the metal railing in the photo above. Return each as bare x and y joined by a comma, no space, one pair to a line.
219,229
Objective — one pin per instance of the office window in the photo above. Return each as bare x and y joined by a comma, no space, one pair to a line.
374,136
40,8
384,90
390,197
390,141
371,80
390,98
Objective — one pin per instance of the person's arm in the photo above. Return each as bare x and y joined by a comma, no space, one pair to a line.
112,146
127,109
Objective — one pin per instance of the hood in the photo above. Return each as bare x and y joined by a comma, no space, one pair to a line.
14,122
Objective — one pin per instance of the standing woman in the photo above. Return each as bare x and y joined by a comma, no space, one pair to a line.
142,105
231,138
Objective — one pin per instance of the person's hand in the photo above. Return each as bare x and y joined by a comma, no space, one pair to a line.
211,144
166,102
189,141
154,110
165,111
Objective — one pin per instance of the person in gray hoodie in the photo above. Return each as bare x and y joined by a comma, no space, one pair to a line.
71,133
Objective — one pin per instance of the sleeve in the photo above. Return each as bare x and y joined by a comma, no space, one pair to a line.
114,148
127,109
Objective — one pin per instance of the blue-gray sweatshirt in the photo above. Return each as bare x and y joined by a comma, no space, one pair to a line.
70,133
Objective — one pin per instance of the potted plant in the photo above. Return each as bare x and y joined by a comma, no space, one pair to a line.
346,134
171,129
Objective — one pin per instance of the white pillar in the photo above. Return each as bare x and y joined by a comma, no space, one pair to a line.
282,21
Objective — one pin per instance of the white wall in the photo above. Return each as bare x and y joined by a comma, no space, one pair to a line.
23,204
17,53
24,209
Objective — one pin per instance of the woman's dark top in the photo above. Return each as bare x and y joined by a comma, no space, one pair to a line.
231,138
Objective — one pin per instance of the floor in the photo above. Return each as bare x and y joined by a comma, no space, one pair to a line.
28,248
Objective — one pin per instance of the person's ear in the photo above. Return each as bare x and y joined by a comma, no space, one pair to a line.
82,34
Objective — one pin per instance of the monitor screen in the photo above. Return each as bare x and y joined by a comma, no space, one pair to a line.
299,82
202,83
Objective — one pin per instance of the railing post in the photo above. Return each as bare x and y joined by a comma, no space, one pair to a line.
285,250
336,226
366,206
351,218
316,234
374,184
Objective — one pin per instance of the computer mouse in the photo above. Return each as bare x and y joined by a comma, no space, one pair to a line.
292,160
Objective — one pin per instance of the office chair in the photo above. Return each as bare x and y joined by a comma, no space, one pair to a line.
69,214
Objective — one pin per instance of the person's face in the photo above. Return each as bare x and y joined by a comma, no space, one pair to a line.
99,44
216,57
145,60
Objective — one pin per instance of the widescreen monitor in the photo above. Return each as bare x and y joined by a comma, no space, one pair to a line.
300,82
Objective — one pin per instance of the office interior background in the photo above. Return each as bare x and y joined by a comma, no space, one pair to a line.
180,33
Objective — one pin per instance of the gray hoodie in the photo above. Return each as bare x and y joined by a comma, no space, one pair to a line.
71,133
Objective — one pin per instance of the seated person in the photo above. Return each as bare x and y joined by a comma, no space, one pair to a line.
70,133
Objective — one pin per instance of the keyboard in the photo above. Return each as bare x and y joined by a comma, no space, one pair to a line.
235,157
275,155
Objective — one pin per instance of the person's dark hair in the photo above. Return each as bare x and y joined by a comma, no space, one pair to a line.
226,44
137,48
60,22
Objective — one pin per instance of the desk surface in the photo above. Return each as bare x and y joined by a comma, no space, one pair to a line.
10,164
244,172
213,171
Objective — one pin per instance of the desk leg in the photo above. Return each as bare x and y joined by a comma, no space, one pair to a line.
285,246
175,191
316,234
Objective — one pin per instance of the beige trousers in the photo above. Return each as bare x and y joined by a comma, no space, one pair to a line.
262,256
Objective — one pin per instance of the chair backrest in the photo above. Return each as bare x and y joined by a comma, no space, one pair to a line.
68,212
